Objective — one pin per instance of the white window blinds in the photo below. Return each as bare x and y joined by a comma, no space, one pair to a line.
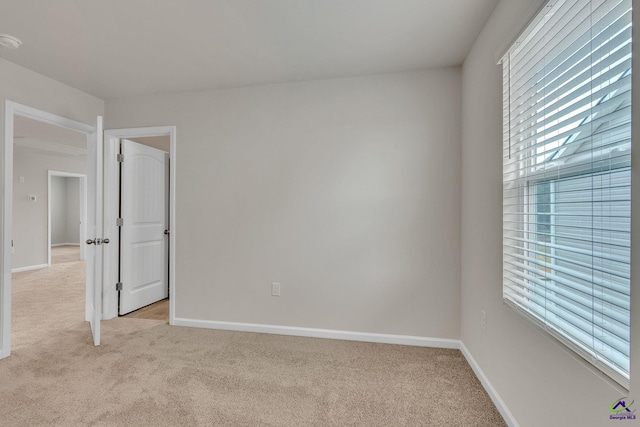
567,179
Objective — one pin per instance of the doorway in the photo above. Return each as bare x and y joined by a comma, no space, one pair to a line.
156,138
67,211
88,143
143,261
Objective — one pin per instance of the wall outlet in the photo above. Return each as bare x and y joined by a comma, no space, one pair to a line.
275,289
483,320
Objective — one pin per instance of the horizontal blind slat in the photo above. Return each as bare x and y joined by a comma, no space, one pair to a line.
579,306
566,177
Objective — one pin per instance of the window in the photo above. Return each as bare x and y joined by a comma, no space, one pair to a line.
567,177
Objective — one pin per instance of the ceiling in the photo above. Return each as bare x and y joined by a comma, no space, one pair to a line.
120,48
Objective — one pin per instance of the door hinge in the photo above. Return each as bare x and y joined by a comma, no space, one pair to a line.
120,157
119,286
119,222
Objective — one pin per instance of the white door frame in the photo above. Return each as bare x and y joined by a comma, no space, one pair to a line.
83,210
111,202
12,109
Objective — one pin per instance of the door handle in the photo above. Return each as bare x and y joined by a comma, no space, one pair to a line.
97,241
166,232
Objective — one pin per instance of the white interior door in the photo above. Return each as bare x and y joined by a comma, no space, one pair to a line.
144,272
94,232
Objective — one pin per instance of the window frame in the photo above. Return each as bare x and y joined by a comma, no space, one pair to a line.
530,217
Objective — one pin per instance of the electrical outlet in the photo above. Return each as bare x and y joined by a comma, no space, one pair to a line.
275,289
483,320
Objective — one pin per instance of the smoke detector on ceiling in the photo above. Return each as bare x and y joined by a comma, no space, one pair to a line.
10,42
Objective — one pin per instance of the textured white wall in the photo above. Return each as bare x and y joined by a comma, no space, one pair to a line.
542,383
72,216
30,219
58,204
345,191
65,210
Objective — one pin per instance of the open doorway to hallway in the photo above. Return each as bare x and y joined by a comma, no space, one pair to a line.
48,275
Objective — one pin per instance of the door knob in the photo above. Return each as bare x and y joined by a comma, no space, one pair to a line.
97,241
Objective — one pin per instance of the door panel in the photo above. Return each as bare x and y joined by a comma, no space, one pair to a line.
144,246
93,308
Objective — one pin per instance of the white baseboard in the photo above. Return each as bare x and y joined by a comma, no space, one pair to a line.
321,333
493,394
29,267
54,245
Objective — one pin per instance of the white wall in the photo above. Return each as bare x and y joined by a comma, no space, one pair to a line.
160,142
58,204
345,191
26,87
30,219
72,210
542,383
65,210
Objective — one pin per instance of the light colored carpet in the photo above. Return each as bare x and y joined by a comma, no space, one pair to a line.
147,373
60,254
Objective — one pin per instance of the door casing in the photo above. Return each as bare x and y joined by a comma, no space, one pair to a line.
12,109
111,202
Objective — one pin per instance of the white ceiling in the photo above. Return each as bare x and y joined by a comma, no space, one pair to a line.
115,48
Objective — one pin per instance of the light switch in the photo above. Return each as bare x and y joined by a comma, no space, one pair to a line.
275,289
